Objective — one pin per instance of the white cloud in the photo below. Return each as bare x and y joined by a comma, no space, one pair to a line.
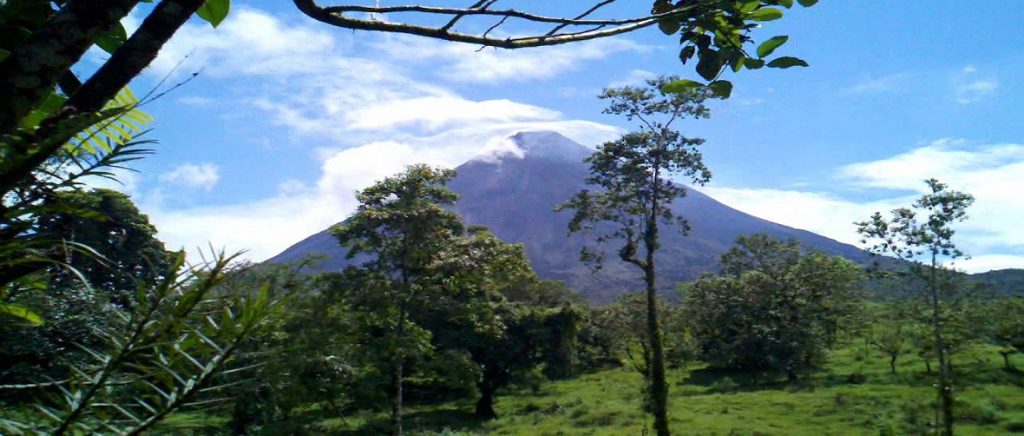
635,77
969,88
467,63
994,174
436,112
975,90
196,101
201,176
873,85
818,212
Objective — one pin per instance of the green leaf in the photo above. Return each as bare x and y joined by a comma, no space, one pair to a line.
765,14
721,88
710,65
686,53
749,6
4,54
113,39
786,62
20,312
766,48
681,85
786,3
807,3
670,25
752,63
214,11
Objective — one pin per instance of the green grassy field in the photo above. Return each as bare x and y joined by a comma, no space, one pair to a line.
851,395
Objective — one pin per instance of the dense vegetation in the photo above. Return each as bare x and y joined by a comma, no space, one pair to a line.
441,327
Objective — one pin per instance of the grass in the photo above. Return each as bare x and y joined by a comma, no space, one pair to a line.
850,395
854,393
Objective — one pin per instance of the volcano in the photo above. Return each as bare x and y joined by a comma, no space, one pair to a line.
514,194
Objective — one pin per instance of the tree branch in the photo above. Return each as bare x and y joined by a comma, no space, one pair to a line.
335,16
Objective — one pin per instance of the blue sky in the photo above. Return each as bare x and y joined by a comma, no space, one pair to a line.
288,117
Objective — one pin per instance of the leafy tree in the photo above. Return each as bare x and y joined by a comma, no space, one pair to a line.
1006,327
623,332
923,236
772,307
109,223
635,188
889,334
400,227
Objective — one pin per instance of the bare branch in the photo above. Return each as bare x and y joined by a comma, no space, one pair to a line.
580,16
565,29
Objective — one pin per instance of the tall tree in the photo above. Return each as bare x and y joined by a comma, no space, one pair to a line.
399,228
923,236
633,177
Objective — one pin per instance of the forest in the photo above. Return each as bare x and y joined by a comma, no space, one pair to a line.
436,325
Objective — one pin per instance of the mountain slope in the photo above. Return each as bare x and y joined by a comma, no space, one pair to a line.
515,197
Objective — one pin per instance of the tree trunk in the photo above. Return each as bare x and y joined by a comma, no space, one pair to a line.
892,363
485,404
137,52
945,386
1006,360
927,366
126,63
396,405
659,386
34,67
398,366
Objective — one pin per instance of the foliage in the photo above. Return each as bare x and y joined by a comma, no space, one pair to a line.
112,226
772,307
156,359
925,242
1005,327
621,334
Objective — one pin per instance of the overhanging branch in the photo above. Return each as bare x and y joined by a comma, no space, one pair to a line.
563,29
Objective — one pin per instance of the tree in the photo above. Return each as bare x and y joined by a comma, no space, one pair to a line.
400,227
86,292
1006,327
129,253
889,335
922,235
634,177
772,307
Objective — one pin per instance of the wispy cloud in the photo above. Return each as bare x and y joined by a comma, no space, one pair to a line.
200,176
975,90
874,85
969,88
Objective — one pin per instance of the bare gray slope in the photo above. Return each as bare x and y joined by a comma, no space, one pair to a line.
515,197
